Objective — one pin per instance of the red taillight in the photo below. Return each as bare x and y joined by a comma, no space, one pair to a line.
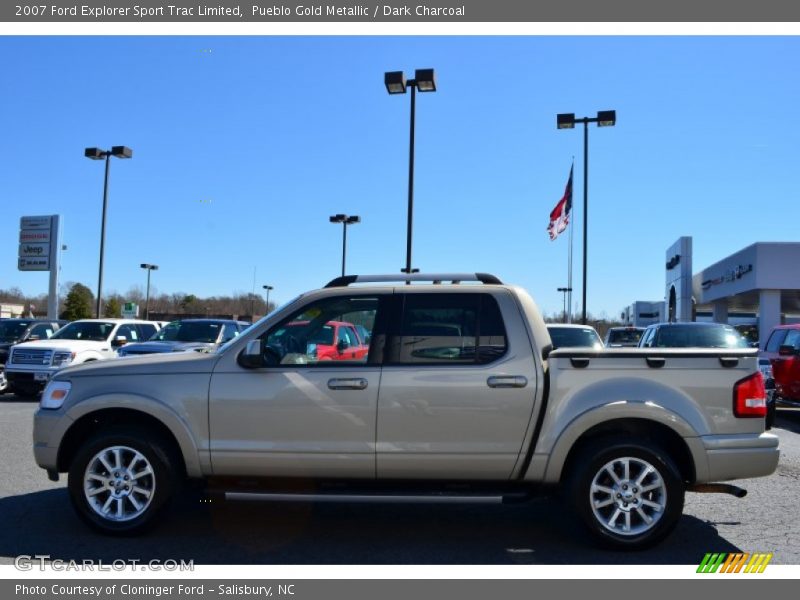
750,397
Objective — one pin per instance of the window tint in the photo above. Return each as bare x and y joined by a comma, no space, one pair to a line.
307,338
574,337
129,331
146,331
792,338
229,332
448,329
624,336
776,340
85,330
42,331
698,336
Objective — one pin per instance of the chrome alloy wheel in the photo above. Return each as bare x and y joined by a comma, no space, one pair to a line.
628,496
119,483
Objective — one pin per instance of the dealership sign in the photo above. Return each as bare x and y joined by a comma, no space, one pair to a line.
729,275
34,264
37,250
38,243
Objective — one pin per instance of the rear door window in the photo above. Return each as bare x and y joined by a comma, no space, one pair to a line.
448,329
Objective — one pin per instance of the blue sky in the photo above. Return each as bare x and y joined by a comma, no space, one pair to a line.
243,146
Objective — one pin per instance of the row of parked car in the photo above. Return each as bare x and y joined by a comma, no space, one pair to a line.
779,360
32,350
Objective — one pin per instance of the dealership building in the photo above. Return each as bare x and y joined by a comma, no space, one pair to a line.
759,283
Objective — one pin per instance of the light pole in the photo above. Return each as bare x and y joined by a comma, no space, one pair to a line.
268,288
604,118
149,268
345,220
98,154
565,291
396,83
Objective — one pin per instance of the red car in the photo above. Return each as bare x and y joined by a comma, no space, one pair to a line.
335,340
783,352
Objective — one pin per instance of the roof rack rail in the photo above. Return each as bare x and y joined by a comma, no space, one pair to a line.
346,280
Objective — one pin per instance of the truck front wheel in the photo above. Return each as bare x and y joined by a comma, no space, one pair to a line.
121,479
628,493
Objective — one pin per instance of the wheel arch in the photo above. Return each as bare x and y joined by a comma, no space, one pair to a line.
84,426
616,429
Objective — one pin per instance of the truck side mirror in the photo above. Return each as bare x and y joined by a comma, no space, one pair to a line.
787,350
250,357
120,340
342,345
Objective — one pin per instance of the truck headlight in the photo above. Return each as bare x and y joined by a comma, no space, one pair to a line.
54,394
61,358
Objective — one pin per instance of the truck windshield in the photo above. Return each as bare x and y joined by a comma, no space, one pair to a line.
574,337
693,336
92,331
189,331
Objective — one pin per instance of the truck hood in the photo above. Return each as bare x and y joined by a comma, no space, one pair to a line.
147,364
71,345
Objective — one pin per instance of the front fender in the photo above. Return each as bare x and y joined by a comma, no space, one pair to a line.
176,424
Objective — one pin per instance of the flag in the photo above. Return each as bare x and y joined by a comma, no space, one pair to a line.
559,217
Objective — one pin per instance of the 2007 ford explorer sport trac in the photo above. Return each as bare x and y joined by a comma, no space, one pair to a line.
459,394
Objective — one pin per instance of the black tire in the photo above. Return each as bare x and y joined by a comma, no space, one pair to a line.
164,482
593,464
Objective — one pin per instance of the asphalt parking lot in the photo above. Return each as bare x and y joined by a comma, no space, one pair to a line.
36,518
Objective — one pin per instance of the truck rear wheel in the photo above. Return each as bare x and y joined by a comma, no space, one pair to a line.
121,480
629,493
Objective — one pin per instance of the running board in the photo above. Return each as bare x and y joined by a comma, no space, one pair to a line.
365,498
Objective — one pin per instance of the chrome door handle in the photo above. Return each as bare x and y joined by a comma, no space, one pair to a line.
347,384
507,381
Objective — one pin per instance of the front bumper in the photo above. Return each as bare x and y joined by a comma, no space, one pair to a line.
33,380
740,456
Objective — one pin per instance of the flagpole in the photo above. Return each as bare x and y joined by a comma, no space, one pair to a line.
569,264
569,277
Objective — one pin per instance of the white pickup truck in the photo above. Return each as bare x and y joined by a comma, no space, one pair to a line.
31,364
459,395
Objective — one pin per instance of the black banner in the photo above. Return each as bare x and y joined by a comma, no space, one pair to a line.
444,11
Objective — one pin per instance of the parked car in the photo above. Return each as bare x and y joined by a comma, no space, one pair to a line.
490,410
31,364
618,337
16,331
187,335
574,336
309,341
692,335
783,353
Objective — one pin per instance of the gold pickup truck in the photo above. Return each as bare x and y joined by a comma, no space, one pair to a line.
460,396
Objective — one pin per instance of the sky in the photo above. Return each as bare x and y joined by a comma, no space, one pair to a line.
244,146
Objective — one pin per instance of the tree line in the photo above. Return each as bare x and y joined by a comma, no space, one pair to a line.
77,301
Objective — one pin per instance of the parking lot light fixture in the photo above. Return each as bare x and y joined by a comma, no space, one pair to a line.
604,118
149,268
565,121
345,220
395,82
99,154
425,81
